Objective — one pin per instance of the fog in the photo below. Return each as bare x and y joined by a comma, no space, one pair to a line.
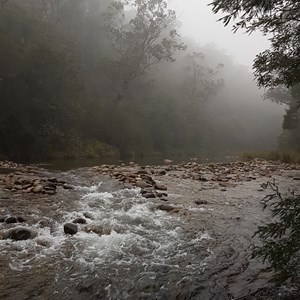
82,87
200,23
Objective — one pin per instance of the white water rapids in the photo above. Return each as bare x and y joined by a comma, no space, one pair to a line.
146,249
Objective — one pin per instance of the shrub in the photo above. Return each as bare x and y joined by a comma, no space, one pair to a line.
281,238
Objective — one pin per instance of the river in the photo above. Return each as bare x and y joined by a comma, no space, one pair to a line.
199,252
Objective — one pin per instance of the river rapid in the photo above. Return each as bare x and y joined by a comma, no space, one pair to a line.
194,252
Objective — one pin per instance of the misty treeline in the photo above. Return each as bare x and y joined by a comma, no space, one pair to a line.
276,68
102,78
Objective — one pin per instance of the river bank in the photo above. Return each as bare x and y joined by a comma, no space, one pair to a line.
145,232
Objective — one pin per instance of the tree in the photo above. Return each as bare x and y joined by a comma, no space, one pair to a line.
279,65
278,69
148,38
200,82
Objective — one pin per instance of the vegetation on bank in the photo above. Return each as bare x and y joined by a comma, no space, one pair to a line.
281,237
285,156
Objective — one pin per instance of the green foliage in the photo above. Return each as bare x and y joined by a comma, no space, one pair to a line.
290,138
281,238
281,64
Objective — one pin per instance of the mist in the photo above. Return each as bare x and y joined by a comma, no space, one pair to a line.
83,92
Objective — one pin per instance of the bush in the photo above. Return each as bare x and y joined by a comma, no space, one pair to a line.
285,156
281,238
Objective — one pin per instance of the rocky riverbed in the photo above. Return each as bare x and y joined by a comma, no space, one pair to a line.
137,232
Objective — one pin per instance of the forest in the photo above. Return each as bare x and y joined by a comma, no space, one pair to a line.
88,78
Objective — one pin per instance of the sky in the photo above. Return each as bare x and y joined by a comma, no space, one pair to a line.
200,23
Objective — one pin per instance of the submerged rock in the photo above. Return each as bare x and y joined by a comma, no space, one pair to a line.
88,215
19,234
2,218
94,228
165,207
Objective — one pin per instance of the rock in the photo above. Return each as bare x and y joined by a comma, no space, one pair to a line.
70,228
80,221
227,185
160,187
142,184
168,161
61,182
148,195
146,190
203,179
68,187
11,220
44,223
93,228
106,230
165,207
88,215
142,171
148,179
26,186
199,202
19,234
8,183
51,185
50,192
160,195
38,188
53,179
21,219
296,178
162,172
2,218
163,199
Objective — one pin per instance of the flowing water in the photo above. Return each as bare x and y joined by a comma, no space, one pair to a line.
202,253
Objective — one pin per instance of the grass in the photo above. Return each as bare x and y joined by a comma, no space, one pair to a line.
285,156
